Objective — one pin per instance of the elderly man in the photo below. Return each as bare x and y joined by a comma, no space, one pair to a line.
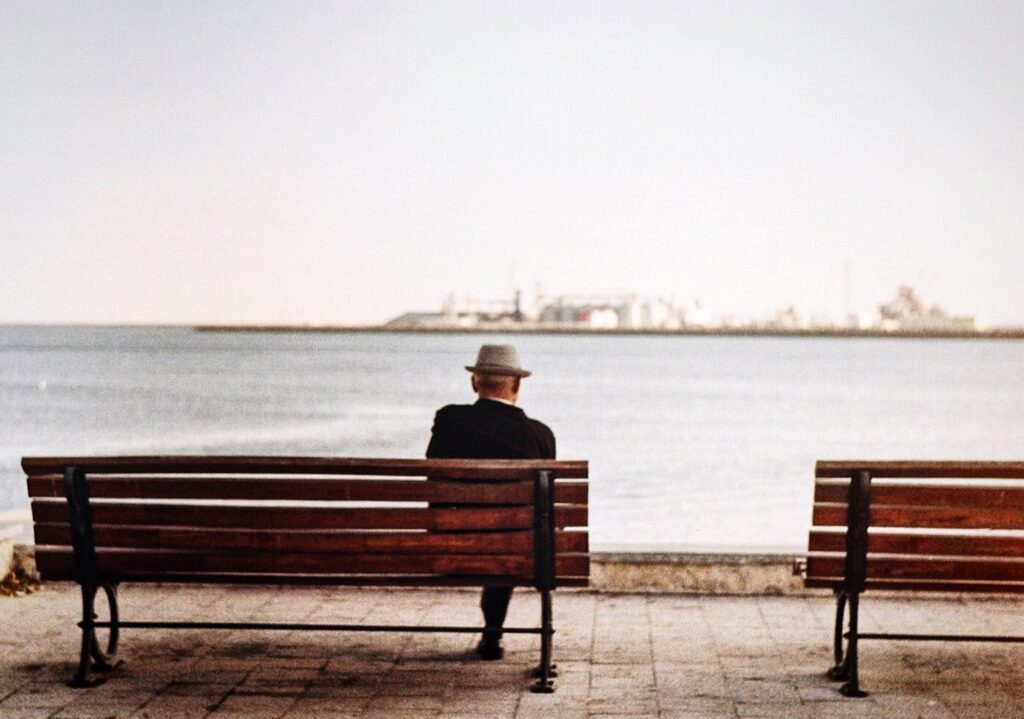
492,428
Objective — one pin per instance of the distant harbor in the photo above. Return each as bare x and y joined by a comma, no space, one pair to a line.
1007,333
905,315
906,312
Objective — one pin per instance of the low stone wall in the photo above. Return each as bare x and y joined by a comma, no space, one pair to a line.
24,561
748,573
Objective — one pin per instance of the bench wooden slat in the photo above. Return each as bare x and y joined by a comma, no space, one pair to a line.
451,468
929,495
364,580
822,515
970,569
922,470
282,518
834,515
921,585
313,542
305,489
923,544
55,562
276,517
119,561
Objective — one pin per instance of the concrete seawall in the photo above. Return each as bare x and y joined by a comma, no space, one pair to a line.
682,572
696,572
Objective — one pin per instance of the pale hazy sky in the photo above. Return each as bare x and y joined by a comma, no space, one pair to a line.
344,162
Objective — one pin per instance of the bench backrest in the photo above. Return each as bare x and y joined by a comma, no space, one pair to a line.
944,526
312,520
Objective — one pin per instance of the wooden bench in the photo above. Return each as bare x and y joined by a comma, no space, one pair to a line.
913,526
102,521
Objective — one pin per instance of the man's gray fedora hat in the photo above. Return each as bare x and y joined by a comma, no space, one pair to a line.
498,359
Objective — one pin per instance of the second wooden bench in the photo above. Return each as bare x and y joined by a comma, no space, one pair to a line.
913,526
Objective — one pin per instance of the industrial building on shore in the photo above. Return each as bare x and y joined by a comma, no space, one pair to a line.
905,313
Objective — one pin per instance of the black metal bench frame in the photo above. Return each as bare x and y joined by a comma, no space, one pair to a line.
94,657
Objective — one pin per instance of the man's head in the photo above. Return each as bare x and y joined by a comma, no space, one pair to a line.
496,386
497,372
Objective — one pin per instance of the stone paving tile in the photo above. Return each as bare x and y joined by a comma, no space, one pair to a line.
187,705
36,713
694,705
255,705
620,656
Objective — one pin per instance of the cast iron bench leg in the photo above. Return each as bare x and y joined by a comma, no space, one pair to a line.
840,668
544,685
94,657
852,687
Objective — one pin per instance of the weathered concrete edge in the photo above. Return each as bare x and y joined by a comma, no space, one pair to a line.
734,573
7,556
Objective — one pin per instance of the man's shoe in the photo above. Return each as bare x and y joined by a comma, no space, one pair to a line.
489,650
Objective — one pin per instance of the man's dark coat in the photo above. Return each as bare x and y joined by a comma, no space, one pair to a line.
489,430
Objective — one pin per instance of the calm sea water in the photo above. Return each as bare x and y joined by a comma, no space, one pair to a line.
695,441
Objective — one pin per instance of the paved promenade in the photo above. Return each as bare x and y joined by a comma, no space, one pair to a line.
619,655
